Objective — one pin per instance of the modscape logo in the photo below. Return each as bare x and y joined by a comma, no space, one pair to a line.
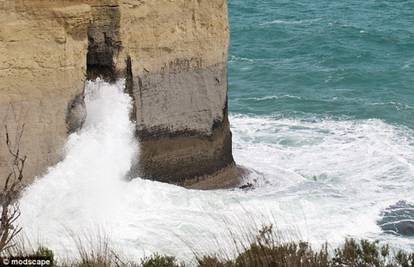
26,261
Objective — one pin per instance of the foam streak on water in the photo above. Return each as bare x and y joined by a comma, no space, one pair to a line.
319,179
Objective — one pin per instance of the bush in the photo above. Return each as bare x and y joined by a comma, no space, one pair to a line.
266,252
157,260
46,253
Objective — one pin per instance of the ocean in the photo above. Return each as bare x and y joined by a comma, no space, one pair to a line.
321,103
343,60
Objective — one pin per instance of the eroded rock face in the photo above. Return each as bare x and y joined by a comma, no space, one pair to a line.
178,79
43,45
104,41
173,55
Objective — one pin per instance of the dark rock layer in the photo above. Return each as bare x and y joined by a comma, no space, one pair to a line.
104,42
184,152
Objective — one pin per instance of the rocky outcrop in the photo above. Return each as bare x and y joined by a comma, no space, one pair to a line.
178,71
174,57
398,219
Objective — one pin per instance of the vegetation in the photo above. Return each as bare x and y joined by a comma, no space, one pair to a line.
157,260
13,185
263,252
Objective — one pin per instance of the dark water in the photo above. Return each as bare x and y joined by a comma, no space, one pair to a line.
347,59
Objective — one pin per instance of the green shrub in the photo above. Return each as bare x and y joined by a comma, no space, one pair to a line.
157,260
265,251
47,253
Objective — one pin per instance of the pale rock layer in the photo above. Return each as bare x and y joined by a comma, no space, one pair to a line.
42,71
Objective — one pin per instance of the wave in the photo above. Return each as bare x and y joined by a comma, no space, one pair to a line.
234,58
80,193
408,64
397,105
272,97
289,22
317,179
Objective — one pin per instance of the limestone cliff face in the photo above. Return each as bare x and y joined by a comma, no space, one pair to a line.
178,71
173,54
43,48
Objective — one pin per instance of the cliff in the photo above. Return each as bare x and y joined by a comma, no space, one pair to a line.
42,64
173,55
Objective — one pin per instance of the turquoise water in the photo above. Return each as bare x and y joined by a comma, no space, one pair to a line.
347,59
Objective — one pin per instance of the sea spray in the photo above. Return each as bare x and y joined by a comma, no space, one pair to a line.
82,192
316,183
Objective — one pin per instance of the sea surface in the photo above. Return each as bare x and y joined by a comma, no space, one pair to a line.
321,106
306,59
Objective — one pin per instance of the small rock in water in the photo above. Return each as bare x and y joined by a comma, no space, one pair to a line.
398,219
248,186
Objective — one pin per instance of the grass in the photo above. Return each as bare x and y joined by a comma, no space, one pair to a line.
264,251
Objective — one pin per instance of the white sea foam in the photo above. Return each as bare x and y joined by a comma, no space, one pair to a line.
273,97
280,21
397,105
289,22
319,179
234,58
81,191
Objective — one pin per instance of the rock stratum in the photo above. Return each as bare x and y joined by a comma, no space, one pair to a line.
173,55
